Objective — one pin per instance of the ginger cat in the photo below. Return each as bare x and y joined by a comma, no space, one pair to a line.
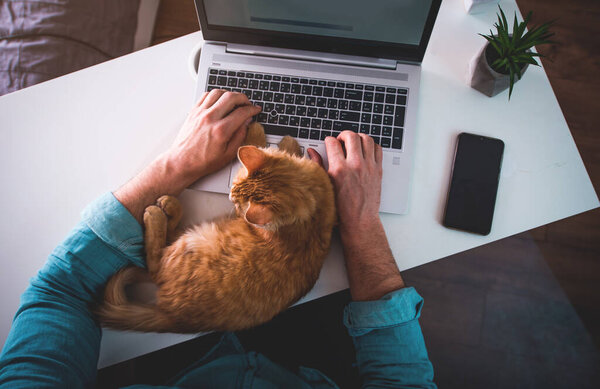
235,273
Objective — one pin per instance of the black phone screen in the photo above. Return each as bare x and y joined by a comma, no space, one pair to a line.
474,184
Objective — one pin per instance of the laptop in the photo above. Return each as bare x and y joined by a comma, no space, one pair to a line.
318,68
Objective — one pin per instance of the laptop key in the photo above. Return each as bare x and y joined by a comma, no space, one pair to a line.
315,123
253,84
268,77
278,97
387,131
376,139
306,90
402,91
353,95
328,92
294,121
385,142
327,124
301,111
379,97
388,120
290,109
289,99
315,134
274,87
397,138
311,101
232,82
341,126
365,118
213,71
399,116
212,80
350,116
375,130
376,119
304,122
365,129
296,88
263,85
339,93
276,78
401,100
367,107
332,103
378,108
268,107
257,95
312,112
325,134
285,88
280,108
258,76
321,102
317,91
273,129
248,93
300,100
389,109
390,99
368,96
334,114
222,72
222,81
267,96
304,133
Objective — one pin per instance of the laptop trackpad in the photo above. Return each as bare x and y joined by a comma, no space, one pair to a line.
215,182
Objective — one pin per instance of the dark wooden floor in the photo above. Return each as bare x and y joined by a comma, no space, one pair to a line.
523,311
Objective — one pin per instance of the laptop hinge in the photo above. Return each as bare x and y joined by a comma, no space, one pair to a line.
312,56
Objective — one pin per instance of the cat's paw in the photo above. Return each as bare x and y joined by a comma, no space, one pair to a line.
290,145
169,205
256,135
153,215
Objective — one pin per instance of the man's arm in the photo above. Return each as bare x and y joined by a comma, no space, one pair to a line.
383,319
55,339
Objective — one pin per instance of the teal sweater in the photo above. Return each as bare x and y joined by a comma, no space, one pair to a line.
55,339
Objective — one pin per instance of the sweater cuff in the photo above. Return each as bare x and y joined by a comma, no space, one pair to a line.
113,223
394,309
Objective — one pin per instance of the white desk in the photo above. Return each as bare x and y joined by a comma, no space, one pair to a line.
66,141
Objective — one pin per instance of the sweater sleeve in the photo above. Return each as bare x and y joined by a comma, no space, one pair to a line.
54,340
390,349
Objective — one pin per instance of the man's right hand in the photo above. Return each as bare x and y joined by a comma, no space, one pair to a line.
356,172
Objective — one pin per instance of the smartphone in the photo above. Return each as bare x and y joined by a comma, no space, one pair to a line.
474,184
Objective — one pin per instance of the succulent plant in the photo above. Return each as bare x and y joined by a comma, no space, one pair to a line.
512,51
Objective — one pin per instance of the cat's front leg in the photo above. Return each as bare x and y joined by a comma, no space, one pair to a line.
155,237
256,135
171,206
290,146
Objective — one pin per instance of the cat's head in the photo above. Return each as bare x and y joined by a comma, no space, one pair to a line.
273,188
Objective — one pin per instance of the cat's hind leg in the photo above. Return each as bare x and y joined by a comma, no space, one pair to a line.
256,135
171,207
290,146
155,237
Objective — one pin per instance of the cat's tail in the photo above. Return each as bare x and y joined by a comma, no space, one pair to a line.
119,313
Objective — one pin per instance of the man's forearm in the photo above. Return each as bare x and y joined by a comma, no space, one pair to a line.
372,270
157,179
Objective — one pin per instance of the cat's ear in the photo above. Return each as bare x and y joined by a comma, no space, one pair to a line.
251,157
258,214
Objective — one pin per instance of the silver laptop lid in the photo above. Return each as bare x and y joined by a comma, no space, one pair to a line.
393,29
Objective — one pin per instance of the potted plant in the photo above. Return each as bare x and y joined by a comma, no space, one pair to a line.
506,56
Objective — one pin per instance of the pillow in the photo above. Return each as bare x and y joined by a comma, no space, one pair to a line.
41,40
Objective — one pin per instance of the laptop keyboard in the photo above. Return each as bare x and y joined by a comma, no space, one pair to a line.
315,108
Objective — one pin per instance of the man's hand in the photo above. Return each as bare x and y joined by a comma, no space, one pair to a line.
208,140
211,134
355,167
356,175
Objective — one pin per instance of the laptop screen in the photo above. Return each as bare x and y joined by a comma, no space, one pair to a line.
397,29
